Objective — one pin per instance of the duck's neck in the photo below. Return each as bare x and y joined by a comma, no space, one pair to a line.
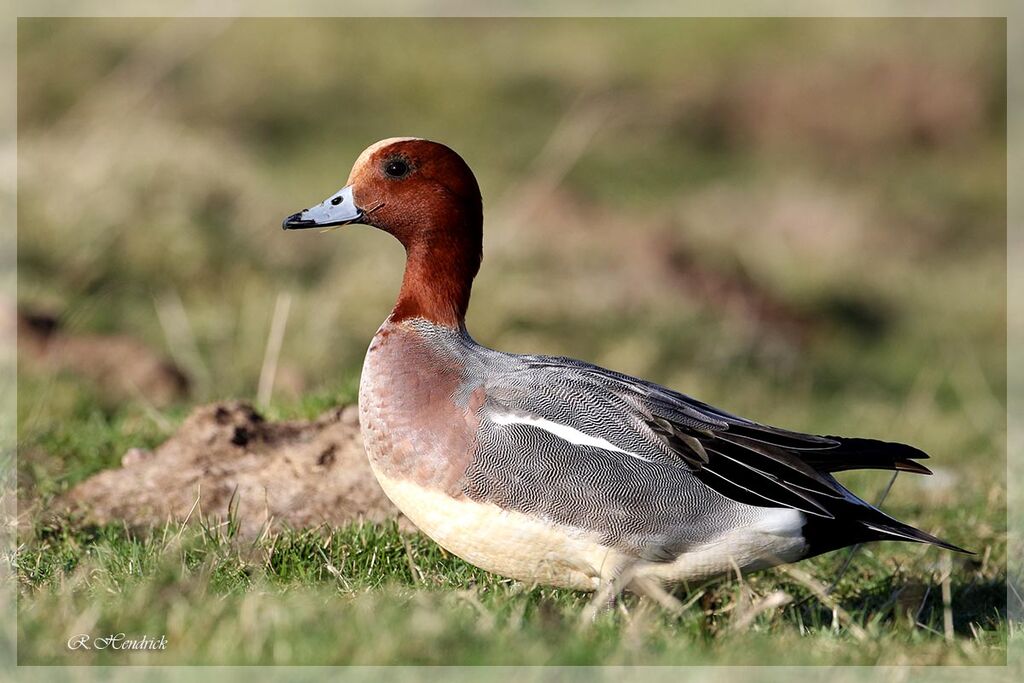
438,278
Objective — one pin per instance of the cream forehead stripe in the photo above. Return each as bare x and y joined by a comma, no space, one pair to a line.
369,151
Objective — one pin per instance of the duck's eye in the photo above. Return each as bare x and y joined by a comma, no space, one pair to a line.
396,168
337,200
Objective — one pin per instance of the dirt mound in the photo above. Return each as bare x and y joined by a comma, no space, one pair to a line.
296,473
121,366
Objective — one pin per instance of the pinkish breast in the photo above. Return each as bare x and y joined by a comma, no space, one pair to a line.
412,428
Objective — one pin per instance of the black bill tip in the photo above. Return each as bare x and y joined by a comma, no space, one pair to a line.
296,222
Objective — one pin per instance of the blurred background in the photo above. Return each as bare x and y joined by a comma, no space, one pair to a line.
802,221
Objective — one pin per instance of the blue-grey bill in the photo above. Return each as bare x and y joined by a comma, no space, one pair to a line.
338,209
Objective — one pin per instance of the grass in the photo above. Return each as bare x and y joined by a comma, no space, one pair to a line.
801,221
371,595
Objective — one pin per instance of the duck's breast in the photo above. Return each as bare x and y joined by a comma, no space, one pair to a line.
413,427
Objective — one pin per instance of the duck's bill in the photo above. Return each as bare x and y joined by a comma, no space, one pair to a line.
338,209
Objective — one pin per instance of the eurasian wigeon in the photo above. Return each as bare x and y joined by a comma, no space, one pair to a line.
556,471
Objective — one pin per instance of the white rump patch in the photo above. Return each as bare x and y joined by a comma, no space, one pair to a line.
564,432
781,522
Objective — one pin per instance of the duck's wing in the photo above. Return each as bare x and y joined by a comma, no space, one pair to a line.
741,459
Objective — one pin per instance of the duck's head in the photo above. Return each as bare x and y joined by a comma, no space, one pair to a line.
424,194
410,187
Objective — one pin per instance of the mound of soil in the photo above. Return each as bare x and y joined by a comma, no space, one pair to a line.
295,473
120,365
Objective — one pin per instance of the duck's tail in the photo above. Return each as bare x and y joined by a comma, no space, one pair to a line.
862,522
898,531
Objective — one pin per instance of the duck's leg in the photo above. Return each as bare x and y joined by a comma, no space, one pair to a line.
612,585
651,588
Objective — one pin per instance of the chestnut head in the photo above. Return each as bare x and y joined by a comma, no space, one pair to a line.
417,190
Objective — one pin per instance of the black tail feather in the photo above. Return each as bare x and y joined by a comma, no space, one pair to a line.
897,531
867,454
863,523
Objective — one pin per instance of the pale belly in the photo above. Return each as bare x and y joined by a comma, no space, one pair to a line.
532,550
502,541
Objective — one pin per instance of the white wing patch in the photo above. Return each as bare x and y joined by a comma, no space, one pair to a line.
564,432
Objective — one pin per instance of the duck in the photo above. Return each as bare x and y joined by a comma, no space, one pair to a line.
553,471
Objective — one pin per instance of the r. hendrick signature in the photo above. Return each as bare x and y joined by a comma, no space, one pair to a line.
116,641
